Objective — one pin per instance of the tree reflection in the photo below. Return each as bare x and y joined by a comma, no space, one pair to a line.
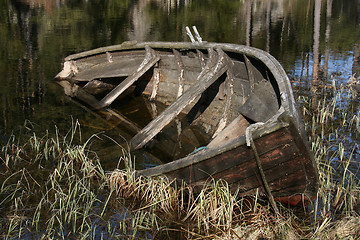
316,54
36,35
356,61
248,22
48,5
327,36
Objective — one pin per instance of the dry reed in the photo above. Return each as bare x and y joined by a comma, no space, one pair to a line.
55,187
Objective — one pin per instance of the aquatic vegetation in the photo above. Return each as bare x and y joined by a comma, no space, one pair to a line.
54,186
50,186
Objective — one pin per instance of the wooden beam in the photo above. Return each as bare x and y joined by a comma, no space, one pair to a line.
150,59
203,82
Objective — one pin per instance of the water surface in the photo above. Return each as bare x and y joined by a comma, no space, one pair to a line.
317,42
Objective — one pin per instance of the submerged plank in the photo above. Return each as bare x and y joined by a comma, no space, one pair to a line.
204,81
82,95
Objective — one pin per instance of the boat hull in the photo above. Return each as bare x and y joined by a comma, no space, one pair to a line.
226,90
286,161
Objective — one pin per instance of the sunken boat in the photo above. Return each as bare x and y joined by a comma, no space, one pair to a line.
238,97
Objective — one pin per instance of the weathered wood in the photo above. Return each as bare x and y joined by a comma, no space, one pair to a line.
280,186
181,72
204,81
96,87
201,59
150,59
242,157
249,68
261,104
102,68
234,130
156,83
228,91
280,156
254,79
100,50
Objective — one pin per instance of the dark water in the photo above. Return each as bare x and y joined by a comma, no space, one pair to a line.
316,42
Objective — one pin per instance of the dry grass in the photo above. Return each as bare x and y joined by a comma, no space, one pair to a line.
216,213
55,187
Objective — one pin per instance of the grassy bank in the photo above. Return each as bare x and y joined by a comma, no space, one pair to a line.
54,186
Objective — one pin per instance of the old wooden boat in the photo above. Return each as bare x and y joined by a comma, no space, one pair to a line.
238,96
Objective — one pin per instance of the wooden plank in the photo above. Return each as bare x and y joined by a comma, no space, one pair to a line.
120,67
155,87
261,104
282,176
181,72
235,129
124,45
294,183
228,91
204,81
274,174
201,59
278,148
150,59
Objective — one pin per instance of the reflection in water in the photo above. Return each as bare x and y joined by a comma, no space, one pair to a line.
268,25
327,36
356,61
316,54
289,30
36,43
35,36
141,21
248,22
27,89
48,5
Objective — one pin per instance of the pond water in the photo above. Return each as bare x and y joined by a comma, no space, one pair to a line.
316,41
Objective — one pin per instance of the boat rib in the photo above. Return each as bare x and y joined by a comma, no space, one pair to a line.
150,59
207,77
